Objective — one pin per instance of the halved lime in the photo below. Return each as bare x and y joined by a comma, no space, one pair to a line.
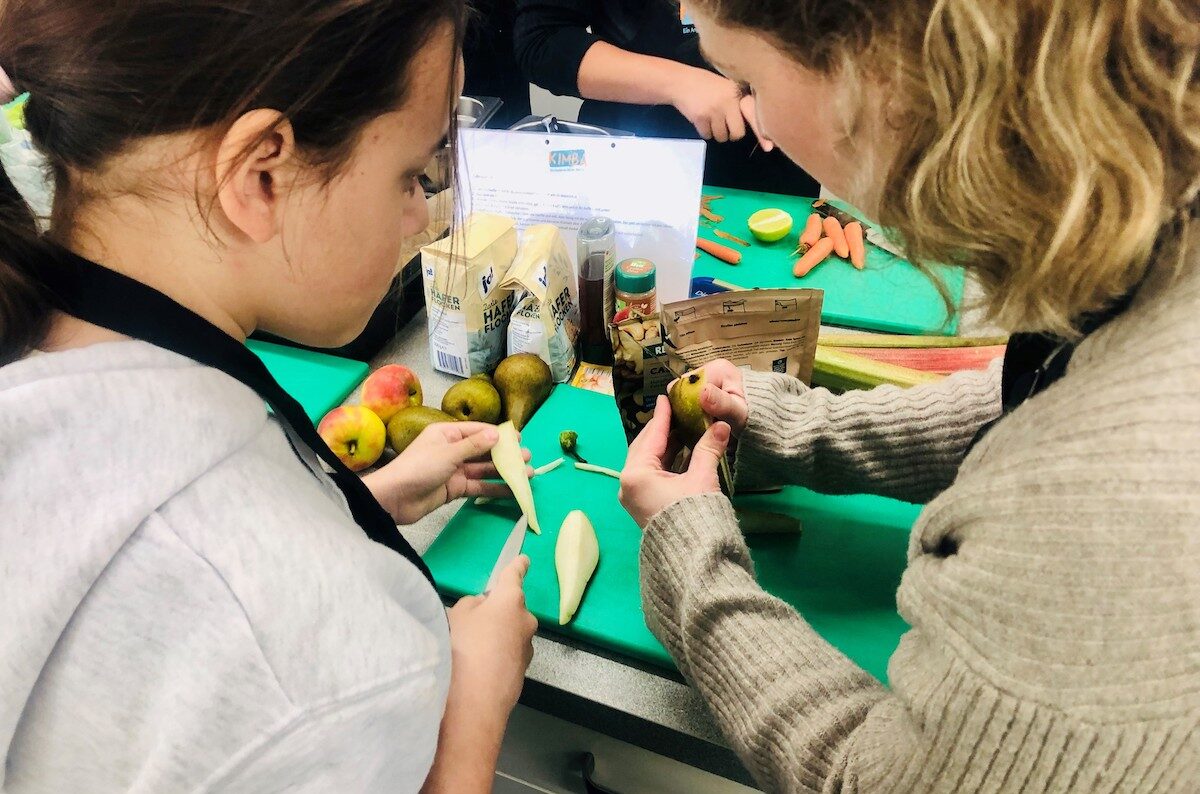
770,225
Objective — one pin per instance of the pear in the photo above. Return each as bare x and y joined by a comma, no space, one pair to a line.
524,382
510,463
689,422
576,554
687,417
474,400
408,423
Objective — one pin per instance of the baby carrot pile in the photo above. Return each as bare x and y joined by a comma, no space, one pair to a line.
823,236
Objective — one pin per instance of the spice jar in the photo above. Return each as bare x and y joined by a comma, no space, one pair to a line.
636,286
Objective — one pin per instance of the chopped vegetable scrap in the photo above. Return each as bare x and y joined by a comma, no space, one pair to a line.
706,209
733,238
569,441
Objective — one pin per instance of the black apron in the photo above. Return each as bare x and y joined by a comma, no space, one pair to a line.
1032,362
111,300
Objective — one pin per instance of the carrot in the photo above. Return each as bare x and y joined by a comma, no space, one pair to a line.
731,238
835,232
812,230
815,255
722,252
854,239
827,210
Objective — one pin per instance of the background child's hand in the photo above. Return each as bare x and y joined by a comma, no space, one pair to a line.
712,104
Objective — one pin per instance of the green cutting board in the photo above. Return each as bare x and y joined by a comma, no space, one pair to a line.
318,381
842,573
889,295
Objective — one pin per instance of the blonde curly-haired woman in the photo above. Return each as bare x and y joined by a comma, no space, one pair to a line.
1053,587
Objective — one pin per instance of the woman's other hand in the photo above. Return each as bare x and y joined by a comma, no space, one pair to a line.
648,486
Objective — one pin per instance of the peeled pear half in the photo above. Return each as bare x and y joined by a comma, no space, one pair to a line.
576,554
511,465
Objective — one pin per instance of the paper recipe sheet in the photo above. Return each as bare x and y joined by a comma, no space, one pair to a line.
649,187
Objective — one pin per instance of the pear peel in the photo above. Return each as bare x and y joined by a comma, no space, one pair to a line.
511,465
576,554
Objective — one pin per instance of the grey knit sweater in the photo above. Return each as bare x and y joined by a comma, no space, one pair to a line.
1053,582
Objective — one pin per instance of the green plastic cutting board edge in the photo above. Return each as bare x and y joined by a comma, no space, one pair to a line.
889,295
842,573
318,381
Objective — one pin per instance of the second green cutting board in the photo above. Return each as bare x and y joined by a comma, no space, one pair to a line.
842,573
889,295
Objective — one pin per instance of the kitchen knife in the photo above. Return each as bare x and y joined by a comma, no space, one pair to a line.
873,236
512,547
877,239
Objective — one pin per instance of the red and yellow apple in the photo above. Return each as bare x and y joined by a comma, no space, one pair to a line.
355,434
390,389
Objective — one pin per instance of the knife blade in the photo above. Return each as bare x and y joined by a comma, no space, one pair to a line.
508,553
877,239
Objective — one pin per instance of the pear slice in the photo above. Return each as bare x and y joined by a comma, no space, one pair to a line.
576,554
511,465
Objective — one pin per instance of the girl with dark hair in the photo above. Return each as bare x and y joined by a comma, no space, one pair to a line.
196,595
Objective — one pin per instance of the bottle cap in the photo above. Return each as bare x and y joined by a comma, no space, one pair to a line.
635,276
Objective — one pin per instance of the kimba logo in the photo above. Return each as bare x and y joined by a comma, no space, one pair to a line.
568,160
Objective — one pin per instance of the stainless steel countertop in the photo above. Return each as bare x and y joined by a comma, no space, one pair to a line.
586,685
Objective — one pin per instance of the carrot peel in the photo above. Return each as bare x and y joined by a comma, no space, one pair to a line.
733,238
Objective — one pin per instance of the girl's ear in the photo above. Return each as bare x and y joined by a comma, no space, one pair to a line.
254,169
